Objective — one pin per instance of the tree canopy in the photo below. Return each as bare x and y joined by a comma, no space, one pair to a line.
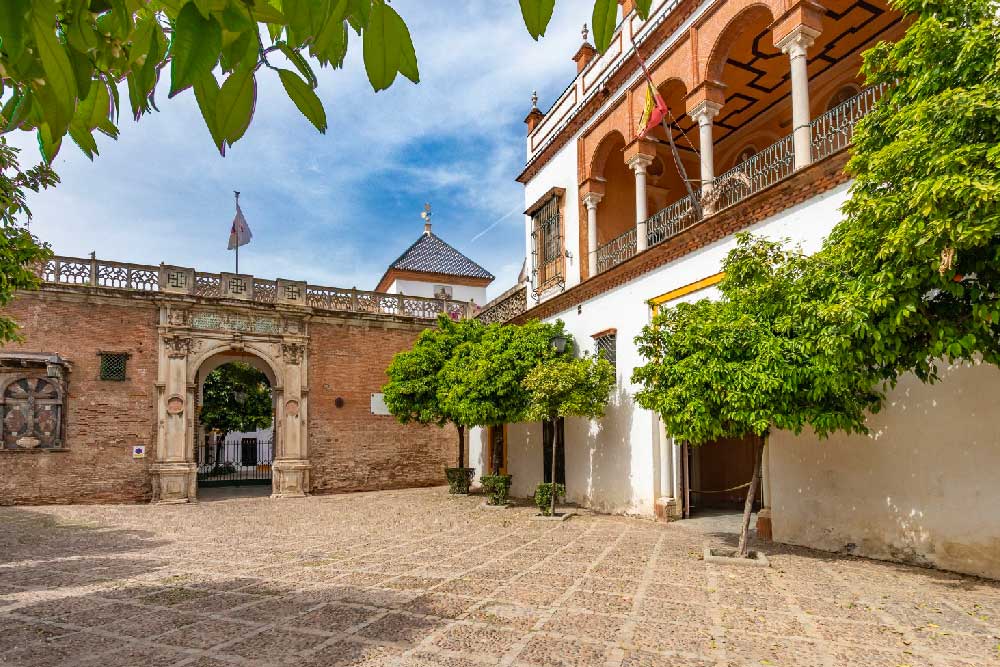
481,384
62,61
569,387
237,398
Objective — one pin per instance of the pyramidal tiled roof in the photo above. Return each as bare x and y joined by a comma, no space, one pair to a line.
430,254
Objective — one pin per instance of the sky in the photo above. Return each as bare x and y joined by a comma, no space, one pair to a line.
333,209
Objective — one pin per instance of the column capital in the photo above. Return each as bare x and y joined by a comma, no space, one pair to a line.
705,111
798,40
592,199
640,161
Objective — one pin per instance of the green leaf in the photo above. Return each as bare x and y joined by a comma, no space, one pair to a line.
537,14
407,54
235,105
331,43
48,142
381,47
605,20
300,63
83,72
298,14
206,91
81,33
83,139
59,87
305,98
195,48
14,27
642,8
360,12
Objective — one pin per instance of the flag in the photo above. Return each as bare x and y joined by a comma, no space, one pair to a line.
655,109
240,233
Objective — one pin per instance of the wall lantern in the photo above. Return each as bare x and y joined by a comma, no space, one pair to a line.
558,343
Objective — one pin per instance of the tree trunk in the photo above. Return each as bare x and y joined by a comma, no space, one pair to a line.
555,443
461,446
741,550
497,451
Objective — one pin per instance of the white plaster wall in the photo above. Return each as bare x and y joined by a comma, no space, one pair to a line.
923,487
613,464
559,172
426,289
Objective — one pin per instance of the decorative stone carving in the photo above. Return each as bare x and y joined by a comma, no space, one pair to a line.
178,347
175,405
176,279
292,325
293,353
292,408
237,286
178,317
291,292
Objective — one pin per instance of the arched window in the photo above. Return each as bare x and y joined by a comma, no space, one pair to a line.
843,94
32,414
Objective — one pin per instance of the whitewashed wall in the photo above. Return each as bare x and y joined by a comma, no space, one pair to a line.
613,464
923,487
559,172
426,289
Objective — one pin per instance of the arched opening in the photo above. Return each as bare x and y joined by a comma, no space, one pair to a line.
617,208
235,435
664,184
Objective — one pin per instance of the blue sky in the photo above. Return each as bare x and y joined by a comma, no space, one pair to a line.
332,209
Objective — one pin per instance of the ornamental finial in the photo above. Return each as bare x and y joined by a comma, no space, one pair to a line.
534,100
426,215
585,32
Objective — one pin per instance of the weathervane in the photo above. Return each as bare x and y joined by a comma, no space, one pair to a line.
426,215
585,32
534,99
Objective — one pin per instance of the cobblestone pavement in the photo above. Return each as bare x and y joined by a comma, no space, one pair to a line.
414,578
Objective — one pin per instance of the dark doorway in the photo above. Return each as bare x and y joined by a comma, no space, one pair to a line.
720,473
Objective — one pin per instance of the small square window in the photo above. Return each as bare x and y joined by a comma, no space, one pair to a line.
113,365
607,347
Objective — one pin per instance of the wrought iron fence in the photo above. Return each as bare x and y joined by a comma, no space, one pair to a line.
774,163
616,251
235,463
834,130
673,219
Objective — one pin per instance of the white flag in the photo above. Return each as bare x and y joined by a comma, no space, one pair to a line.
240,233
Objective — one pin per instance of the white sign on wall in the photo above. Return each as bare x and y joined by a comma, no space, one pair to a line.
139,452
378,405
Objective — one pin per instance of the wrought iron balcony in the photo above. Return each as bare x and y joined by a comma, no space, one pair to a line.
831,132
505,307
616,251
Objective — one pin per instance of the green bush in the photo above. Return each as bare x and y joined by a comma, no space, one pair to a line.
543,497
497,488
459,479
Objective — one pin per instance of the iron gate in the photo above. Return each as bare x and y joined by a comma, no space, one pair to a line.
235,463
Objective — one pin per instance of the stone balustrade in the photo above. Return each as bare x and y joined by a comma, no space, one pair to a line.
168,279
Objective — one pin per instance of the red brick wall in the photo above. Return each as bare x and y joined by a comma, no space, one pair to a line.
351,449
103,419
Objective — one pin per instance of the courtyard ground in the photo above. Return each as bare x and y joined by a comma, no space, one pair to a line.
418,578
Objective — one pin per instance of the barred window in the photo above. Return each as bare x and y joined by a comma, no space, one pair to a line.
606,344
547,242
113,366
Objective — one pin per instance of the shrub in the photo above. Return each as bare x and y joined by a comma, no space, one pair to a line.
497,488
459,479
543,497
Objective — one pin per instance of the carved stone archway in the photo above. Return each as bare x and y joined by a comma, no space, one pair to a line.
192,337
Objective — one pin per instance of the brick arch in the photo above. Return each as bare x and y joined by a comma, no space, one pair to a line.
716,36
611,141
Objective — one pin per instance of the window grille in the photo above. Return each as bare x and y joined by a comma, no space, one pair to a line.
607,347
547,245
113,366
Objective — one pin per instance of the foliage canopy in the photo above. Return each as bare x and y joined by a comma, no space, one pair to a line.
237,398
569,387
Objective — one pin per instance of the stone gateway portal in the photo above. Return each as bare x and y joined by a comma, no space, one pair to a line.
107,410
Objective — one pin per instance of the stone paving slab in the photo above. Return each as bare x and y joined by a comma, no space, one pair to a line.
417,579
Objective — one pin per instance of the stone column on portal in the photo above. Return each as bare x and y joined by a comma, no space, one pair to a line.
639,163
703,114
291,465
591,200
796,44
175,470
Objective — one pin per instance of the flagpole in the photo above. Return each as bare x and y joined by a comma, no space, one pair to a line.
236,192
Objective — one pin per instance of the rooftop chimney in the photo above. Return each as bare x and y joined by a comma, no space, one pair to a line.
627,6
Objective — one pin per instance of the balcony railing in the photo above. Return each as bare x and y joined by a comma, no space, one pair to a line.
831,132
616,251
505,307
238,287
834,130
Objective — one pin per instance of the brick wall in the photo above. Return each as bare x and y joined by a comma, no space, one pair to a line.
351,449
103,419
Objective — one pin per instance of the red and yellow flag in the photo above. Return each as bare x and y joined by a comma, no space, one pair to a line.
655,109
